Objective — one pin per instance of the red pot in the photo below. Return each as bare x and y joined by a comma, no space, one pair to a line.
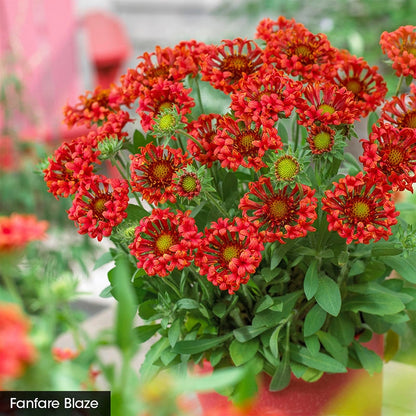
352,393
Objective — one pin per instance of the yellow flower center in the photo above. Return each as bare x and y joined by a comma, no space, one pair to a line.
325,108
303,51
99,206
236,65
164,242
409,120
354,86
395,156
322,140
286,168
278,209
230,252
167,122
360,210
247,140
189,183
161,171
167,105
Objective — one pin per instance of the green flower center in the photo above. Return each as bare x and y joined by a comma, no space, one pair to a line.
360,210
395,156
322,140
278,209
189,183
164,242
325,108
230,252
167,122
287,167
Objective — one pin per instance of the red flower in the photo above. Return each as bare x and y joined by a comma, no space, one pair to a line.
281,213
99,205
401,111
224,65
241,143
297,51
164,94
64,354
400,47
265,95
153,172
188,185
165,240
320,139
328,104
72,162
93,107
16,349
360,209
204,129
17,230
392,153
230,253
363,81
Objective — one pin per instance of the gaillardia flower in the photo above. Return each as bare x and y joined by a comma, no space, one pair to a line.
359,209
224,65
241,143
391,153
230,252
281,213
320,139
99,205
154,170
400,47
165,240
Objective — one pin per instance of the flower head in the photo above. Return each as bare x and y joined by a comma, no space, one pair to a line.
363,81
400,47
154,170
281,213
188,185
360,209
401,111
163,95
224,65
16,349
328,104
99,205
391,153
320,139
165,240
241,143
17,230
230,252
267,94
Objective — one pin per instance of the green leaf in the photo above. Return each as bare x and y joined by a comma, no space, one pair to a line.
374,303
368,359
145,332
385,248
372,119
312,344
282,132
318,361
314,320
328,296
274,341
333,347
148,370
404,266
199,345
281,378
343,328
106,292
139,140
188,304
104,259
311,282
264,304
174,332
241,352
219,309
246,333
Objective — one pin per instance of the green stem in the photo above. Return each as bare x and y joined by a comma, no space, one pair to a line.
11,288
399,85
216,204
198,94
189,136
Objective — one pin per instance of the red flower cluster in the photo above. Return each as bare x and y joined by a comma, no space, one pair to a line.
165,240
230,252
16,349
17,230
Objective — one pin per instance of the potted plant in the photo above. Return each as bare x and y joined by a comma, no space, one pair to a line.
251,234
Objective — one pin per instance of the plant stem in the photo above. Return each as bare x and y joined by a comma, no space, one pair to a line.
189,136
216,204
399,85
198,94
